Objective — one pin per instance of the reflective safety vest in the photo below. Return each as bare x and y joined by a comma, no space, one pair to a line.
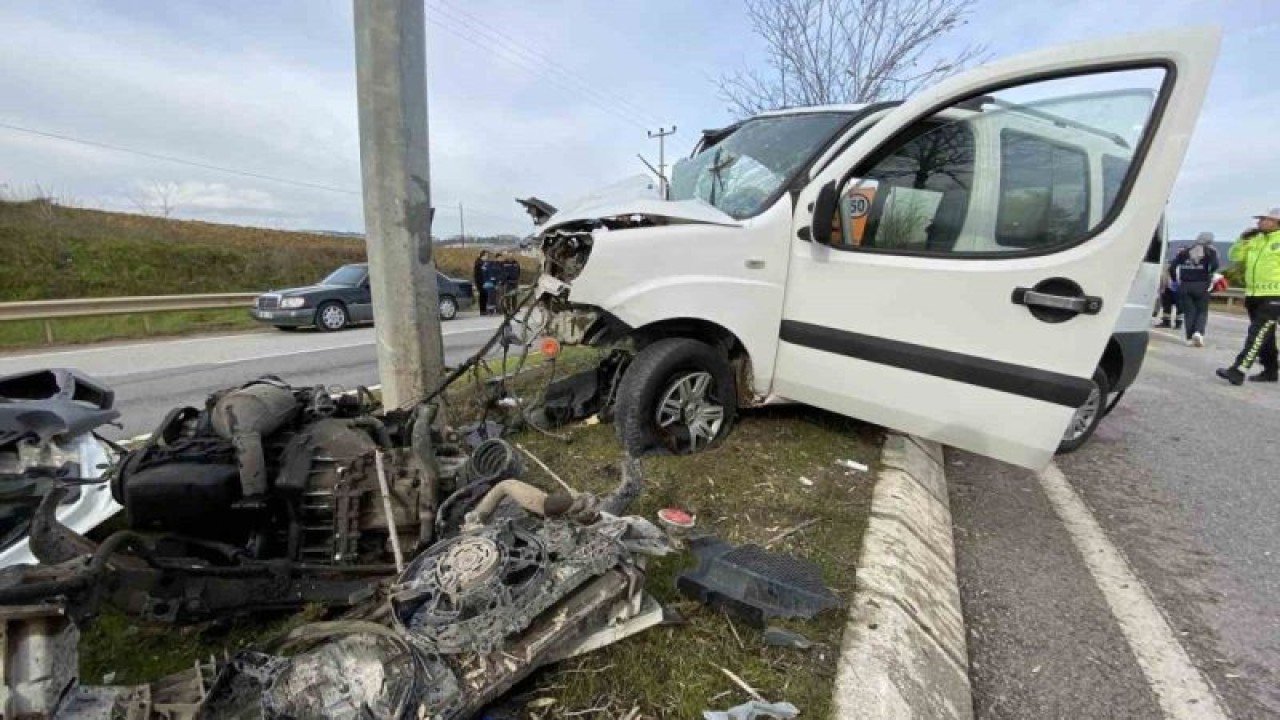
1259,256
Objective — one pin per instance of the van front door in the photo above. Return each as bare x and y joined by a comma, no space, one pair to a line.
956,272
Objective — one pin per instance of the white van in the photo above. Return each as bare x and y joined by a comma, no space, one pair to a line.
953,266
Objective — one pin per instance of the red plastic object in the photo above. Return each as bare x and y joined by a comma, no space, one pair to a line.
676,517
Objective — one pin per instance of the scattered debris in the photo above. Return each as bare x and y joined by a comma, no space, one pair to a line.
546,469
742,684
47,424
755,710
853,465
677,523
471,616
753,583
790,531
806,481
781,637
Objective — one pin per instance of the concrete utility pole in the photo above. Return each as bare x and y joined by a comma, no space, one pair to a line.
391,89
462,226
662,155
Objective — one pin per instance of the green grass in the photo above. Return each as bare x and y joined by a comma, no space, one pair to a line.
74,331
139,653
52,251
747,490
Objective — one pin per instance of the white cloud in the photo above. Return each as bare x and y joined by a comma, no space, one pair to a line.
269,88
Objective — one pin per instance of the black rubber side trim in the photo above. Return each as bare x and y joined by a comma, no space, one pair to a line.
1028,382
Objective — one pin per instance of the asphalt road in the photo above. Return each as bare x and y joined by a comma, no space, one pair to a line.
150,378
1182,484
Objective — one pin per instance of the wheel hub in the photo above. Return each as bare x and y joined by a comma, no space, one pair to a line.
688,405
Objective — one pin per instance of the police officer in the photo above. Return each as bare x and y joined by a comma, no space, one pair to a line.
1258,254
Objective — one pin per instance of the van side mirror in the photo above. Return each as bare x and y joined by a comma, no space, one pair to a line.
824,211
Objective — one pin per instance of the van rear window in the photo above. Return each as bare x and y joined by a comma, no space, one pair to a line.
1044,191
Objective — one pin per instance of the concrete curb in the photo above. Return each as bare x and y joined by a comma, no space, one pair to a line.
904,652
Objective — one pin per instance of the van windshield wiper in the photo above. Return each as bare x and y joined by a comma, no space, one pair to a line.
718,165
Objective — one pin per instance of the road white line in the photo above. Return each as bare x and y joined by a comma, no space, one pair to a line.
1180,689
110,346
126,345
291,353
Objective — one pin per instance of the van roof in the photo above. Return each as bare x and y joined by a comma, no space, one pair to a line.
803,110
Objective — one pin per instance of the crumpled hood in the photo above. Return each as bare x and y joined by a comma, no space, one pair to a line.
637,195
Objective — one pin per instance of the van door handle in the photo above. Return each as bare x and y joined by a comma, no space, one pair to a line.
754,264
1064,302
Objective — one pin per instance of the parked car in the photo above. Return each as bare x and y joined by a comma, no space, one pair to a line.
343,298
952,266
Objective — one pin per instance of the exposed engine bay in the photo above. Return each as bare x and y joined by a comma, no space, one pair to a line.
459,579
269,497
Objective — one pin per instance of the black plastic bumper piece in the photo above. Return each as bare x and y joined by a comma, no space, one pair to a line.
753,583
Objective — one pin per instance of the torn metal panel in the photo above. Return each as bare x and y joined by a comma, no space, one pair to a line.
637,195
573,325
51,403
47,419
38,659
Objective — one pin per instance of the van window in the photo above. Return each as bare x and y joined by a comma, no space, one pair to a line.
1044,191
1113,172
921,196
1010,172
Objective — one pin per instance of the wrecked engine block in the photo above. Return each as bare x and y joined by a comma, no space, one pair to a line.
268,498
297,481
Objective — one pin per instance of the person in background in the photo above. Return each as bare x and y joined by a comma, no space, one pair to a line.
1192,271
1168,304
477,280
510,274
1258,253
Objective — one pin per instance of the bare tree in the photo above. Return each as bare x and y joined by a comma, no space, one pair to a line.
846,51
156,198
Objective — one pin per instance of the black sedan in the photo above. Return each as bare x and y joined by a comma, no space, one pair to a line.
344,299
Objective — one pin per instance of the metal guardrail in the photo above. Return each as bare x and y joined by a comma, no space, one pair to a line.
1229,296
47,310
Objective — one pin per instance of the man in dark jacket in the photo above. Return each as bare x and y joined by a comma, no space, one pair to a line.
1191,270
477,280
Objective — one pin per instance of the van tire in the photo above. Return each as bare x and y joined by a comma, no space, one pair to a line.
1073,441
669,370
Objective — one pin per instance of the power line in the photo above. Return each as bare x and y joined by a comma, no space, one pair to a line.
476,24
177,160
464,32
218,168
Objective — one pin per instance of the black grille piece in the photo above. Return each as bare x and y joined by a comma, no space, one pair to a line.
753,583
268,302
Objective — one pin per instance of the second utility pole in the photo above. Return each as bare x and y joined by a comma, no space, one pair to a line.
662,155
462,226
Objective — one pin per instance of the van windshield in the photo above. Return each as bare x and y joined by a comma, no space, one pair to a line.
744,171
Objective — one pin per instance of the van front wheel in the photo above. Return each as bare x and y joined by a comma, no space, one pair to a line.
677,396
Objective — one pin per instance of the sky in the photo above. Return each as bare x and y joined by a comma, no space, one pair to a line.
551,98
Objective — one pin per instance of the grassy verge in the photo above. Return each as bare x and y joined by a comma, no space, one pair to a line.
775,471
748,490
53,251
75,331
